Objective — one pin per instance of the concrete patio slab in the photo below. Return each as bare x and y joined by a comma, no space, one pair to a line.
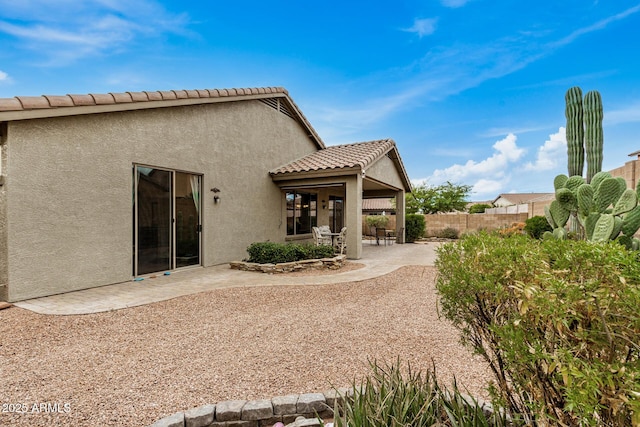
377,260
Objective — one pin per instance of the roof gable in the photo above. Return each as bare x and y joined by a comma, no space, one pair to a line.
45,106
521,198
346,157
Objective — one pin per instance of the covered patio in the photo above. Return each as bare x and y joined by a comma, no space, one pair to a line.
328,186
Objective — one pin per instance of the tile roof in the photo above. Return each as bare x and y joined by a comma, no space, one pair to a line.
22,103
378,205
521,198
29,107
348,156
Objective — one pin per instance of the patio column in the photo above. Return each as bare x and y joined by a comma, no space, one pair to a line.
353,214
400,216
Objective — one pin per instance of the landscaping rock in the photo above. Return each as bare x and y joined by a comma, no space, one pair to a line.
257,410
175,420
310,403
199,417
229,410
283,405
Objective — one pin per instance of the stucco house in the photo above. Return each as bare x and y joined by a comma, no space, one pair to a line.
102,188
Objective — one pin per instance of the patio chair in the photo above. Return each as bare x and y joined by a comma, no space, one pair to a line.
341,240
392,236
319,239
381,234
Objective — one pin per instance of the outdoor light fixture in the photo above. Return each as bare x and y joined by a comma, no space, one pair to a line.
216,198
324,205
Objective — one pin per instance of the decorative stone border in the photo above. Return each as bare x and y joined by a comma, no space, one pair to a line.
261,413
287,267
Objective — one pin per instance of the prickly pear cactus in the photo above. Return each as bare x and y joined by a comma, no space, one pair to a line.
604,228
559,214
585,198
627,201
631,222
598,178
600,207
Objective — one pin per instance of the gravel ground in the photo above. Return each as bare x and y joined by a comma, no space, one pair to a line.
131,367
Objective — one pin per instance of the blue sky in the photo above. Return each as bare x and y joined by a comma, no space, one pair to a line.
472,91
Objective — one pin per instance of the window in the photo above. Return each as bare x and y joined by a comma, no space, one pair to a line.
301,212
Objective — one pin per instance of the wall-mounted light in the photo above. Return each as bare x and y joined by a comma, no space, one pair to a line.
324,205
216,198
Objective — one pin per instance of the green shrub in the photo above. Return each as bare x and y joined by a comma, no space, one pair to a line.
415,226
536,226
270,252
449,233
557,321
378,221
387,397
479,208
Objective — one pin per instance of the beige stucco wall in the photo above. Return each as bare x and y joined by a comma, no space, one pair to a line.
69,187
630,172
384,170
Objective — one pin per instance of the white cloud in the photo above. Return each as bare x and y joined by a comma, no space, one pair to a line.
454,3
600,25
423,27
69,30
549,154
487,177
487,189
3,76
506,152
626,115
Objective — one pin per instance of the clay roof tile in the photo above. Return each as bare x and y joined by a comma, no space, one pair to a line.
10,104
138,96
154,95
192,94
203,93
59,101
82,100
181,94
103,98
122,98
33,102
168,94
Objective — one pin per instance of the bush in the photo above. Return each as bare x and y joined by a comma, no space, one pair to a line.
449,233
387,397
378,221
557,321
479,208
414,227
536,226
273,253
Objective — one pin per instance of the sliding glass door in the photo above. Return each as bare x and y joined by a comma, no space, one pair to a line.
166,220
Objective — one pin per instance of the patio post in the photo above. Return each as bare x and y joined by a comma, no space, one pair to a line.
400,216
353,214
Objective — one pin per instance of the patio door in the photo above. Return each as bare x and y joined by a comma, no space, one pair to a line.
166,216
336,213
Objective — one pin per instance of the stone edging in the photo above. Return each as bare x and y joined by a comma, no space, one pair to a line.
261,413
287,267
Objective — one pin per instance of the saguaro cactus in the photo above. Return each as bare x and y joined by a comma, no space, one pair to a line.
593,138
601,207
575,130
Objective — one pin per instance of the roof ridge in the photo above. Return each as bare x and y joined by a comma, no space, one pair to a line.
22,103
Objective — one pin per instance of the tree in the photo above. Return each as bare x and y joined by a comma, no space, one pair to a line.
479,208
446,197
